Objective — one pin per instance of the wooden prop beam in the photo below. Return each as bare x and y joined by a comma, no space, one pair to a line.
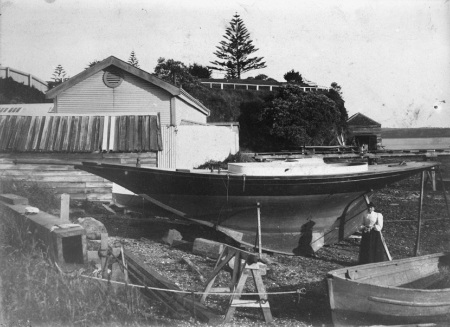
419,220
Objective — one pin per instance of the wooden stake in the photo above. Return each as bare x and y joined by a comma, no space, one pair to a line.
65,204
125,266
385,247
258,209
104,254
419,221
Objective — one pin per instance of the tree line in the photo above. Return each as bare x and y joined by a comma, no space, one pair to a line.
285,119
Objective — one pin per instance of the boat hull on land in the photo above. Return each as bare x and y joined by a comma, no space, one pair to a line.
299,213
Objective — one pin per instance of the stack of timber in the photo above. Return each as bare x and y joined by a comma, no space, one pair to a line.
55,172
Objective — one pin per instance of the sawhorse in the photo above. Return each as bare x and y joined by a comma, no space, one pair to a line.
245,264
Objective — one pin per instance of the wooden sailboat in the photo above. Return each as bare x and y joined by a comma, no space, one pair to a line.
305,203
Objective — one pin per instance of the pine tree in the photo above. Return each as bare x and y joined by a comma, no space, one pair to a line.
233,52
133,60
59,75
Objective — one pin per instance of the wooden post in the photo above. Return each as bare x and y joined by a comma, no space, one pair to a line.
125,265
443,190
258,209
419,221
65,204
104,254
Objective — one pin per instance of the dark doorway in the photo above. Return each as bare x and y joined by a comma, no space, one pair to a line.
72,248
370,140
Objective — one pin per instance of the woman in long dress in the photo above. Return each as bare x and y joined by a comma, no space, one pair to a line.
371,248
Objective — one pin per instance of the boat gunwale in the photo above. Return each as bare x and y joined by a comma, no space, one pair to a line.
224,173
341,271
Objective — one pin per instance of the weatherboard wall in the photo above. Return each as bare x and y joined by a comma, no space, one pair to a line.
184,112
133,95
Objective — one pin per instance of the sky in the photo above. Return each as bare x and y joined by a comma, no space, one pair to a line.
391,58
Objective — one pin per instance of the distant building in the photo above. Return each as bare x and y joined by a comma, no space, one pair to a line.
364,131
254,84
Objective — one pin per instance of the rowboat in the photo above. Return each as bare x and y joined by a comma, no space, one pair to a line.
406,291
303,203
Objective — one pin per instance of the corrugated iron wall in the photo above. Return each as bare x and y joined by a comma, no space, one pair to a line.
80,133
167,157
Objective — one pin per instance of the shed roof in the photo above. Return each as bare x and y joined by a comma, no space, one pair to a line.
359,119
79,133
113,61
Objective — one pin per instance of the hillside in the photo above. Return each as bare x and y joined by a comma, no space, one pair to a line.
12,92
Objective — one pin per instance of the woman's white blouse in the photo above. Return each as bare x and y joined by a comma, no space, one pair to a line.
375,220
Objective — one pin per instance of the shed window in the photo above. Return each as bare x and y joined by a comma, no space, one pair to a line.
112,78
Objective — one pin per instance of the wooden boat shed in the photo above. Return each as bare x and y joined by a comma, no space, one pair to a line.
364,131
111,112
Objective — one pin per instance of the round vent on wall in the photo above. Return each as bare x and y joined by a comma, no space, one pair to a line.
112,78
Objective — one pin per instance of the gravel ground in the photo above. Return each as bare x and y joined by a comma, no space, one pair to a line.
141,233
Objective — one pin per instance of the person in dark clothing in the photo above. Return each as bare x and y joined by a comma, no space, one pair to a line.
372,248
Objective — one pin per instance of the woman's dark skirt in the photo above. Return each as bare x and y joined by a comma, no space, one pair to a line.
371,248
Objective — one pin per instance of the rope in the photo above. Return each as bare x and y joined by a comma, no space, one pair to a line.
301,291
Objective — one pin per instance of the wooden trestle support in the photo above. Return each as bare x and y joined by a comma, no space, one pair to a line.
245,264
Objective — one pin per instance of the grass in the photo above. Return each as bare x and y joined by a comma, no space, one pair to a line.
34,292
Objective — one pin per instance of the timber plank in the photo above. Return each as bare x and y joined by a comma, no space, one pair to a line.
8,166
158,132
98,197
37,133
116,134
139,134
6,134
50,178
74,190
18,132
53,133
65,140
83,133
130,133
3,124
39,173
136,135
89,138
45,131
30,134
146,133
105,186
77,146
11,132
122,133
24,134
62,128
153,134
73,134
98,141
